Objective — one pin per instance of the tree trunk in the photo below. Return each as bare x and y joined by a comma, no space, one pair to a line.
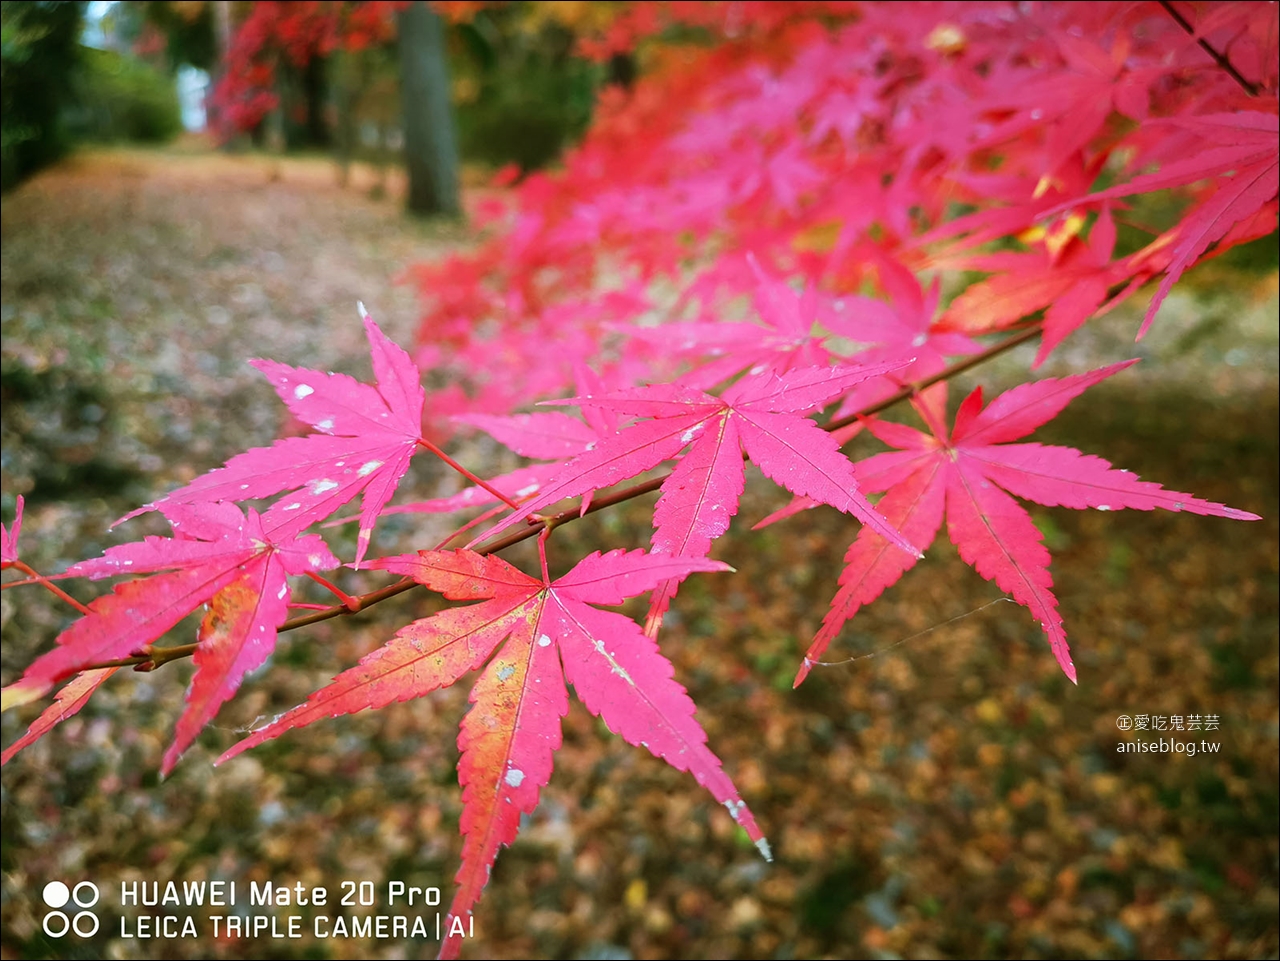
222,33
350,75
313,88
431,153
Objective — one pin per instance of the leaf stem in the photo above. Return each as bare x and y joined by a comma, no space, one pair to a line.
422,441
34,577
474,522
548,527
350,603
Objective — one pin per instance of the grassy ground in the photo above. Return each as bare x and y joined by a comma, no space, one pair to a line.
950,796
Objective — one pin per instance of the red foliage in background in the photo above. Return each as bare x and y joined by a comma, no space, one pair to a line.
296,31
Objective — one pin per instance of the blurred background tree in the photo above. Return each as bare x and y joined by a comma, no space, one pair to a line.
57,90
522,92
39,57
431,153
118,97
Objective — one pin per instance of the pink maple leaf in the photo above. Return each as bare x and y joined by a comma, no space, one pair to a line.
68,703
550,436
1067,277
219,557
1075,102
1243,163
963,476
762,414
509,736
786,339
366,437
902,331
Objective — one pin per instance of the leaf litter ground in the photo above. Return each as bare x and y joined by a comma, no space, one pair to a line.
951,796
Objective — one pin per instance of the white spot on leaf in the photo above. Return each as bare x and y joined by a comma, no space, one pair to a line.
515,777
369,468
302,390
322,486
544,641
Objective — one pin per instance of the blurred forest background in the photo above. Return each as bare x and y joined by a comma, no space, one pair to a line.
295,77
948,796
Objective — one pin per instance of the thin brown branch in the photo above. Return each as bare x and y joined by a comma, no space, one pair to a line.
1219,58
151,658
37,578
946,374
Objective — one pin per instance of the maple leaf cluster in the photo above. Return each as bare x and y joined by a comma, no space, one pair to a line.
765,244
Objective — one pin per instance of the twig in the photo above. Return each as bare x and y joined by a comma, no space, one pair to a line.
1219,58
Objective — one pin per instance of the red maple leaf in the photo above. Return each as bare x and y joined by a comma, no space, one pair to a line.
1064,275
366,438
963,475
67,704
221,558
1243,163
1075,102
552,635
785,339
761,414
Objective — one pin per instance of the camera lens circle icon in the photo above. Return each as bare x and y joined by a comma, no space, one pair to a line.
56,894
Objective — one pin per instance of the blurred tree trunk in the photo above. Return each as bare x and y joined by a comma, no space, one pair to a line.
314,90
222,34
431,152
303,94
350,75
621,71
